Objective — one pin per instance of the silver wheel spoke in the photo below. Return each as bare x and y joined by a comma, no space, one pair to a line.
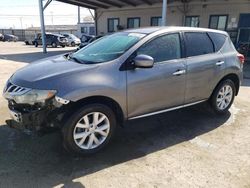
101,119
219,100
83,139
101,130
80,135
96,116
86,120
81,125
90,142
97,142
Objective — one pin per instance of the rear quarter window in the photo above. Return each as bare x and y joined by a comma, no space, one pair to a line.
198,43
218,40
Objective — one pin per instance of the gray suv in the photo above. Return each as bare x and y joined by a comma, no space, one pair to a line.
123,76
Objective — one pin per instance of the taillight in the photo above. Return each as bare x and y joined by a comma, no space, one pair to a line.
241,58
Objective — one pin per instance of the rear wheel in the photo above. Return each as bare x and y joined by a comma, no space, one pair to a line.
89,129
54,45
223,96
73,44
36,44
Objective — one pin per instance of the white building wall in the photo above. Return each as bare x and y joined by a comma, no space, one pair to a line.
175,16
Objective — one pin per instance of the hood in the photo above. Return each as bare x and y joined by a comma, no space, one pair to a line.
44,72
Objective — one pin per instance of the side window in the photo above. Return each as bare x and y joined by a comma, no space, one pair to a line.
198,44
48,36
218,40
162,48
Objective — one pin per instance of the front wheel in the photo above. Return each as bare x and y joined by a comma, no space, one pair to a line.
89,129
223,96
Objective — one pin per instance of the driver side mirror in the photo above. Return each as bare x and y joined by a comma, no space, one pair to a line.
143,61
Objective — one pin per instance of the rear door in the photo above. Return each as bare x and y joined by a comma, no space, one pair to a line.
162,86
204,64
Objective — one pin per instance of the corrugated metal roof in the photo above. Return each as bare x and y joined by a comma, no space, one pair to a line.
94,4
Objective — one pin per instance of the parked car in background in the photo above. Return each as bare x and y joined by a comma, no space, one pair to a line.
1,37
53,40
83,44
86,38
72,39
9,38
127,75
30,39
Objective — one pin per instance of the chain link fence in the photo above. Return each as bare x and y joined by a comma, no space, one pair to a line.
29,34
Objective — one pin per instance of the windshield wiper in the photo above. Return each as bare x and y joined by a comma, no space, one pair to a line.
75,59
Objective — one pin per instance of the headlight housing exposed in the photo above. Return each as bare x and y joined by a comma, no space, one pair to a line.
34,96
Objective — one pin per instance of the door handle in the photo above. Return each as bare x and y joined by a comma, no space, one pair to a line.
179,72
219,63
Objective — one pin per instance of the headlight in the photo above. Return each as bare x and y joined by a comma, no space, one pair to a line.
34,96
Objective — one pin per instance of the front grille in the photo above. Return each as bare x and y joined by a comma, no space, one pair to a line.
12,89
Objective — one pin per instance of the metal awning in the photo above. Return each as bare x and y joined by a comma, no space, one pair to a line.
105,4
95,4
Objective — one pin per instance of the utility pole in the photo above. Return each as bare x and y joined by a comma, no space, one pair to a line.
42,25
164,12
79,14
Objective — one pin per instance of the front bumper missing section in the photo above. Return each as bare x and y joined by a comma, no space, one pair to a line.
35,117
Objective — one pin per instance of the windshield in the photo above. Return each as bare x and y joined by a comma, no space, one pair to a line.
107,48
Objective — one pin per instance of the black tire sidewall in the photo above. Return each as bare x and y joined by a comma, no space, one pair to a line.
213,100
69,126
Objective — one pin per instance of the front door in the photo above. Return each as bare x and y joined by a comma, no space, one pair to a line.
162,86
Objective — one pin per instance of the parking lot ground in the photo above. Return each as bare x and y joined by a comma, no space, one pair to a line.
185,148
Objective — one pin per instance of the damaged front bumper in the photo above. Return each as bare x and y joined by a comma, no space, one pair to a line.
36,117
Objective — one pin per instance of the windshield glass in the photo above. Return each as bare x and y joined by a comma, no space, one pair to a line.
107,48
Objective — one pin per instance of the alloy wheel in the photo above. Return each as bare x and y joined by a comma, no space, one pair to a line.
224,97
91,130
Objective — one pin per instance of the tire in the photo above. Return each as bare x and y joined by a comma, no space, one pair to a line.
53,44
78,123
221,101
63,46
73,44
36,44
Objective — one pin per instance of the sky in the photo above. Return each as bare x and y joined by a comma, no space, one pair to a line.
25,13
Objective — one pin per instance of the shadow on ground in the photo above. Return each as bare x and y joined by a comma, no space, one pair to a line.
30,57
42,162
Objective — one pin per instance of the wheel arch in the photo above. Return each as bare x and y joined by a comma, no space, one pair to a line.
111,103
234,78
